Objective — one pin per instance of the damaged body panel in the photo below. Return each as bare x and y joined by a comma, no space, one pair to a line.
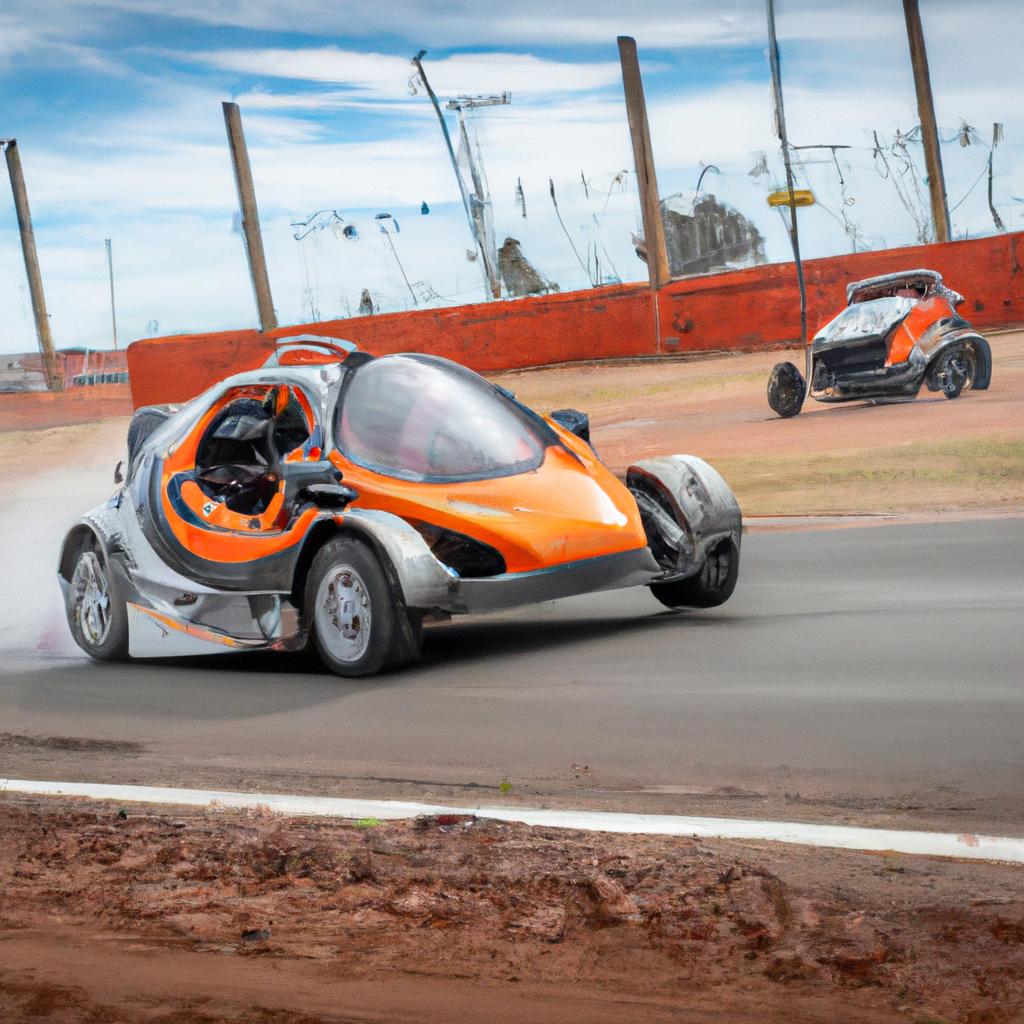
338,499
898,332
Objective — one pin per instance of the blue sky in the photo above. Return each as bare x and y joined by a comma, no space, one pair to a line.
116,106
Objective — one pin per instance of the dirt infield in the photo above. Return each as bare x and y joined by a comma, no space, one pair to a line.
928,455
123,914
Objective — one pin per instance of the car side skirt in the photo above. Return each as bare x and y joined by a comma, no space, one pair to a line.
605,572
158,634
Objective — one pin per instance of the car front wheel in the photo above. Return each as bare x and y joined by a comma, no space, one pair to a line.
954,371
786,390
350,608
710,587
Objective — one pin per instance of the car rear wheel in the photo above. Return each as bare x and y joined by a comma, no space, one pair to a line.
96,610
710,587
350,608
786,390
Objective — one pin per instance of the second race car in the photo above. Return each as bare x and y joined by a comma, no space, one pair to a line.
897,333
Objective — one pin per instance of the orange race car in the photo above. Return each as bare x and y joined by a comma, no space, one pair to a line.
340,498
897,332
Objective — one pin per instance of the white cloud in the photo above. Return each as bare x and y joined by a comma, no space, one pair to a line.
158,179
386,76
460,23
16,36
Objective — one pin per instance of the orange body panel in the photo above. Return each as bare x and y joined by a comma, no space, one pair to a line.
561,512
237,543
917,321
570,508
229,536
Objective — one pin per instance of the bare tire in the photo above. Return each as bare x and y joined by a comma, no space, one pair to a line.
350,608
954,370
786,390
983,372
95,607
710,587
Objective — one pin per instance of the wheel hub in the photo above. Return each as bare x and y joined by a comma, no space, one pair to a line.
92,599
956,371
343,614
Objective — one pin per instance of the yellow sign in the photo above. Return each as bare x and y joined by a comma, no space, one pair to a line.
800,197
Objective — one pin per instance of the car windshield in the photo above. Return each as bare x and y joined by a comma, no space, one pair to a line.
424,418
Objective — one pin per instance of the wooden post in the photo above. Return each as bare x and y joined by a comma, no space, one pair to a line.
926,112
643,158
35,278
250,218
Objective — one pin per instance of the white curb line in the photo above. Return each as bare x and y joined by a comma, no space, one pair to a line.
934,844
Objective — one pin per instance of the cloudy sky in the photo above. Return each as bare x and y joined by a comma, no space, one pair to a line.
116,105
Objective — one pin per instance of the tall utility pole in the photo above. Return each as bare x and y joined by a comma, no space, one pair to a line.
491,283
478,198
250,218
643,158
35,278
926,113
780,130
110,272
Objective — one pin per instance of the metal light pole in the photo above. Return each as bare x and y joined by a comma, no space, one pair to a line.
460,105
493,287
780,130
380,219
110,272
250,218
35,278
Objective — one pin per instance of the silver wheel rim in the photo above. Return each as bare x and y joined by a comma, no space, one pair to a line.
92,599
343,614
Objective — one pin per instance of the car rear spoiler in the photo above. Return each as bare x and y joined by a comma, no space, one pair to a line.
310,348
932,277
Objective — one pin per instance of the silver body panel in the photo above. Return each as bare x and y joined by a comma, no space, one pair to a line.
171,614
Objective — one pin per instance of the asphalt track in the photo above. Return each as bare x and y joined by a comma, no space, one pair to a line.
871,676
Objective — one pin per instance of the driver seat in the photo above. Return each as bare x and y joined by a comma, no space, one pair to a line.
239,449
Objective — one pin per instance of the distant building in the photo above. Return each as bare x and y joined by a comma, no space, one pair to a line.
23,371
518,274
703,235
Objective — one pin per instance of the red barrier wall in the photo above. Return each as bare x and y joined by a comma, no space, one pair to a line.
596,324
744,309
760,307
33,410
